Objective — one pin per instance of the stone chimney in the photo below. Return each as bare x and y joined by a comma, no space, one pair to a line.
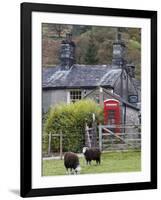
67,52
118,51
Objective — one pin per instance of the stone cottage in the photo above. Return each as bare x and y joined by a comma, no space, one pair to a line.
69,82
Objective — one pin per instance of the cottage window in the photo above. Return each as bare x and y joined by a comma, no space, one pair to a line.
75,95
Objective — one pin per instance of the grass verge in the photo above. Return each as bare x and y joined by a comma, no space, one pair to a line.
110,162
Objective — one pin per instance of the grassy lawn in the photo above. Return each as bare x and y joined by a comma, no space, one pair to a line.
111,162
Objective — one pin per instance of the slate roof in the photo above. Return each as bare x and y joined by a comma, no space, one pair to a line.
80,76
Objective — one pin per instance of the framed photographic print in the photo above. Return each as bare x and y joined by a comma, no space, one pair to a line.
88,99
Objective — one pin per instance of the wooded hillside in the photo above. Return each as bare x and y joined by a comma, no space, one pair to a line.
93,44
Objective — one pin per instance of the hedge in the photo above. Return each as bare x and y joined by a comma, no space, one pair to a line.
70,119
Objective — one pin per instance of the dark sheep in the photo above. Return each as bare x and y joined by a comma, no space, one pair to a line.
71,161
92,154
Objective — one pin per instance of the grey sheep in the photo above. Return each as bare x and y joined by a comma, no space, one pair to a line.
92,154
71,161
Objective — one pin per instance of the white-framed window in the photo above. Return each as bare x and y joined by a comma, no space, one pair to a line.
75,95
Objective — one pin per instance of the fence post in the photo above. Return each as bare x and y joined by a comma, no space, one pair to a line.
49,145
94,131
87,136
100,137
61,145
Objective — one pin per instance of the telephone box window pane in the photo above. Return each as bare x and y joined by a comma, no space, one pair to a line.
111,116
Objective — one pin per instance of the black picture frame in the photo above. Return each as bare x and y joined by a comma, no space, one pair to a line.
26,99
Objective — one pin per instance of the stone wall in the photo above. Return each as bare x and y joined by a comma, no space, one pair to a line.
132,116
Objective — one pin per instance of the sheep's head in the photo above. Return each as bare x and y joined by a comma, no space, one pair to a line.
78,169
84,149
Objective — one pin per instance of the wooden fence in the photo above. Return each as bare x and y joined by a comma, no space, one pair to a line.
129,137
104,137
60,136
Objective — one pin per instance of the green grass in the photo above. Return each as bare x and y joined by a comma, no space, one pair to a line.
111,162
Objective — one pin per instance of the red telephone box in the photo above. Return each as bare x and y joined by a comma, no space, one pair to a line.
112,114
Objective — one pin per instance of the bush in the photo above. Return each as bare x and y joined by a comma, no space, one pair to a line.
70,119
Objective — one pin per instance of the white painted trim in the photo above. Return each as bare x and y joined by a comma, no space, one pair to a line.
68,97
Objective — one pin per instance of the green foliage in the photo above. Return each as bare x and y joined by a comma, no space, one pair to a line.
77,30
70,119
134,55
134,44
111,162
103,38
135,34
91,52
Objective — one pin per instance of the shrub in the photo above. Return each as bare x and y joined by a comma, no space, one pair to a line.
70,119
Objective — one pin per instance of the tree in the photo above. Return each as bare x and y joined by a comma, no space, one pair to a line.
77,30
55,30
59,28
91,52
